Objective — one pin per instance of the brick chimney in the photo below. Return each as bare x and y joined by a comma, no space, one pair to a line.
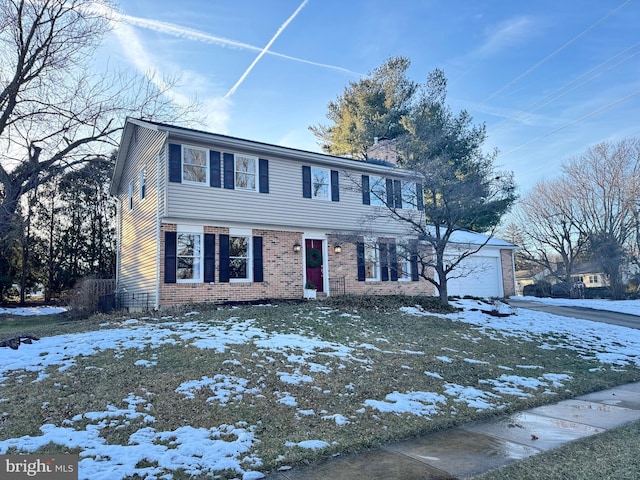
383,149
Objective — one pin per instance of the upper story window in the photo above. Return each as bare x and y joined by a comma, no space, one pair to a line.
246,172
130,195
378,189
320,183
409,199
189,257
194,165
143,184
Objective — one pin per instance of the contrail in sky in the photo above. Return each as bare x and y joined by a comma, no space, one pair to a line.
192,34
265,50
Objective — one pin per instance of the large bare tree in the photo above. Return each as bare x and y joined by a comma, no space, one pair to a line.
546,218
55,113
590,211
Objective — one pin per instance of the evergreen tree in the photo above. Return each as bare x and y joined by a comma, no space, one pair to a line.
369,108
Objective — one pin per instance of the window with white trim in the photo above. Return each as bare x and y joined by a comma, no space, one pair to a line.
131,195
371,261
409,200
320,183
195,167
378,189
189,254
246,172
143,184
404,262
240,258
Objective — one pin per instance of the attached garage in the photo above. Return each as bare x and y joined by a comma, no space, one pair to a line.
479,276
488,272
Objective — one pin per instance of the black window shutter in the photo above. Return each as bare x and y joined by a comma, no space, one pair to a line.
229,177
263,174
366,194
360,255
389,189
393,262
170,252
306,182
397,193
419,196
214,169
223,274
209,258
384,262
258,264
414,267
175,163
335,186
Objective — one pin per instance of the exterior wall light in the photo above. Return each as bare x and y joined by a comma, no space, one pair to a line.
297,247
337,249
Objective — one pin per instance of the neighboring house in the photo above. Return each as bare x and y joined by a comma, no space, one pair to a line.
211,218
590,274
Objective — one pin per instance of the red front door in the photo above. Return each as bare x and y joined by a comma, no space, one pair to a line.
313,263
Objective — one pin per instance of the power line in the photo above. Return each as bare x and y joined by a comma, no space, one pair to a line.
547,99
553,54
570,124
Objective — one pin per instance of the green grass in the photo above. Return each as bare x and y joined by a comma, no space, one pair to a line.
611,455
389,351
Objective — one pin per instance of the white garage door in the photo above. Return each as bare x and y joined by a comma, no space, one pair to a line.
479,277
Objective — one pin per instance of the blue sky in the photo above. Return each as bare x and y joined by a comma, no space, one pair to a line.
549,78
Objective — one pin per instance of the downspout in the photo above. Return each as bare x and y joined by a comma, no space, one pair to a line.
158,169
513,270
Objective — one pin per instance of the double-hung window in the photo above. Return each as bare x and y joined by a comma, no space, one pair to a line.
194,165
189,257
246,172
320,183
130,201
378,188
240,258
371,261
409,199
143,184
404,263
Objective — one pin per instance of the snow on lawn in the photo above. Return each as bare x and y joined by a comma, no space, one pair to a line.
152,453
29,311
632,307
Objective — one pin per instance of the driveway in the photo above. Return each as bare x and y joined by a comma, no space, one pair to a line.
614,318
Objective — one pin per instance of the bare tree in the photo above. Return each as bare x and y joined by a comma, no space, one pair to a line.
606,187
590,211
546,217
54,112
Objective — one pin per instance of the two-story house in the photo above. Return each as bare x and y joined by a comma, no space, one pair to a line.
204,217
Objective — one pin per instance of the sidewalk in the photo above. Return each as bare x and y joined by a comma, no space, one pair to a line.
481,446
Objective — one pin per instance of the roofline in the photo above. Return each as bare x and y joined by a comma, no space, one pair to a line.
276,150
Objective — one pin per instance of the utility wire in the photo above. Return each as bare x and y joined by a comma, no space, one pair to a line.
550,56
570,124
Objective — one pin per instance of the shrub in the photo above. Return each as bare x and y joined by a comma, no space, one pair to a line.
389,302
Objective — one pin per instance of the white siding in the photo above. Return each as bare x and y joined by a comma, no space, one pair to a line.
137,259
284,206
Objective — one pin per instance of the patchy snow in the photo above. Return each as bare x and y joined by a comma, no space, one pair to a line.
30,311
151,452
631,307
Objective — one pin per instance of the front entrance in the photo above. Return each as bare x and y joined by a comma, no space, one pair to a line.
313,263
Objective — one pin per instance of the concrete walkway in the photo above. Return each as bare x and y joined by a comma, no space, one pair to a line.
484,445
